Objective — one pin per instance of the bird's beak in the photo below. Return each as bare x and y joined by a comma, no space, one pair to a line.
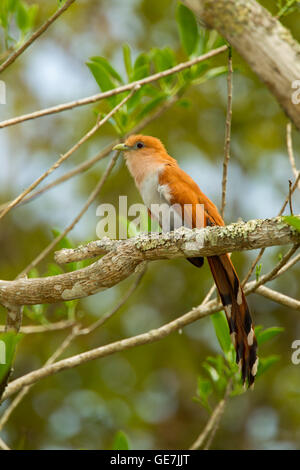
121,147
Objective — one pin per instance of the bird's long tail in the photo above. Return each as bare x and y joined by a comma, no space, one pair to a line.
238,315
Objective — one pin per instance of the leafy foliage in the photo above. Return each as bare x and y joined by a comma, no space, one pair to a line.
258,271
151,96
287,7
8,343
20,14
121,441
221,369
188,28
293,221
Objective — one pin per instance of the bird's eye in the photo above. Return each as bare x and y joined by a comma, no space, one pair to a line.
140,145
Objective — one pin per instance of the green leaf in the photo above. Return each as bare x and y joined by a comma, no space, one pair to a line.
204,390
257,330
11,5
258,271
265,363
141,60
212,372
32,12
127,60
33,273
8,343
269,333
150,106
163,59
140,72
293,220
188,29
71,309
121,441
22,18
54,269
108,67
101,76
65,242
222,331
209,75
146,90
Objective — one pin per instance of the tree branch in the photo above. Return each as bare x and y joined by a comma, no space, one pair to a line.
65,156
123,260
35,35
33,329
84,166
268,47
76,331
87,204
227,132
277,297
115,91
203,310
289,145
211,427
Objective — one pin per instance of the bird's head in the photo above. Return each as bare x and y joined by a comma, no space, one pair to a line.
139,146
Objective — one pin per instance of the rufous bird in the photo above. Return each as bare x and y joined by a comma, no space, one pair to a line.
160,180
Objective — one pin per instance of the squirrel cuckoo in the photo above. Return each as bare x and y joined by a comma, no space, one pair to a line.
160,180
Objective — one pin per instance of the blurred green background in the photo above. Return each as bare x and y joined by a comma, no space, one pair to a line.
148,391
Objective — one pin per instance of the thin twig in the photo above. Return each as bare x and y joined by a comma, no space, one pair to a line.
274,271
105,318
33,329
227,132
288,265
290,150
278,297
291,192
100,155
290,197
35,35
65,156
68,340
114,91
89,201
213,422
261,252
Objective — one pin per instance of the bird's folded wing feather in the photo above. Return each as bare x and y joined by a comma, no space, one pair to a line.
179,188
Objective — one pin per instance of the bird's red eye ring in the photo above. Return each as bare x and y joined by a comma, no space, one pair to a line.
140,145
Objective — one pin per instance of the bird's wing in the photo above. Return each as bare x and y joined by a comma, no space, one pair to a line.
179,188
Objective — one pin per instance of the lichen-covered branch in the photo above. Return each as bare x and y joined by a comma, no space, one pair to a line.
206,308
267,46
126,256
